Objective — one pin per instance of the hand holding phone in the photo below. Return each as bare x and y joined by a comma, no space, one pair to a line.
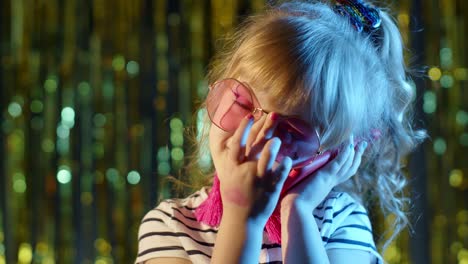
298,174
306,168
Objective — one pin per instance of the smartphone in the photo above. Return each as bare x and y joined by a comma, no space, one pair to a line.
298,174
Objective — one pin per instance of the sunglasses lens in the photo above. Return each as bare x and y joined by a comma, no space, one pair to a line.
228,102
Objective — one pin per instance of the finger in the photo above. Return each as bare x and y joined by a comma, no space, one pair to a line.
283,170
264,134
335,166
277,178
253,134
357,160
236,145
268,156
343,171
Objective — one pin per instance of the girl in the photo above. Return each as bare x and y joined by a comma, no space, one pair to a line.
307,96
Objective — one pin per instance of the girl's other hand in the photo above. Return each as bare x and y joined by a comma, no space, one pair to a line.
250,183
312,191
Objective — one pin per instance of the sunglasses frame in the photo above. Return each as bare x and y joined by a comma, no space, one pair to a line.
253,112
258,109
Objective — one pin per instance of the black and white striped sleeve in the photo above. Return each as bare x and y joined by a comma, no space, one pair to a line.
156,237
352,228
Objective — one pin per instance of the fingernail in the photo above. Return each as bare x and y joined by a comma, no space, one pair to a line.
276,144
287,161
364,145
274,116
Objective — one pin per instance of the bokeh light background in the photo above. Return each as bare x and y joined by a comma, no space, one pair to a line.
96,96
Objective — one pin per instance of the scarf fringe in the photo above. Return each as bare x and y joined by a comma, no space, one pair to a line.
210,212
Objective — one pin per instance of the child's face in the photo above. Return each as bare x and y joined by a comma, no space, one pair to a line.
218,138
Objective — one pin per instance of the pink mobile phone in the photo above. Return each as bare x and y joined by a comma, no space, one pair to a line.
298,142
297,175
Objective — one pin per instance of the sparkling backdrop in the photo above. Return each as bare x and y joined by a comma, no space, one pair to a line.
96,96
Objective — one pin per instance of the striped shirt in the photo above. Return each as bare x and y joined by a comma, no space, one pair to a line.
171,230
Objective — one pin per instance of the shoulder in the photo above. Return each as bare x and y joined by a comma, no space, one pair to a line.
341,205
164,229
190,202
170,210
337,207
344,223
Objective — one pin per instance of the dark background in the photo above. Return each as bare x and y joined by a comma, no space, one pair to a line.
95,97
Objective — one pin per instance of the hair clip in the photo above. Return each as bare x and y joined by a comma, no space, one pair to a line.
362,16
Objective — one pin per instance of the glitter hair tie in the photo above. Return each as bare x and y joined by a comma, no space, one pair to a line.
362,16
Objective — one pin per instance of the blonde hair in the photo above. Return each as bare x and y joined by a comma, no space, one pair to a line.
307,55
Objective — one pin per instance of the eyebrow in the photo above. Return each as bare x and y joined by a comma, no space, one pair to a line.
284,115
267,111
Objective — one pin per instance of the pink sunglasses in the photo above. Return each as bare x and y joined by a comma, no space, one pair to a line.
230,100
